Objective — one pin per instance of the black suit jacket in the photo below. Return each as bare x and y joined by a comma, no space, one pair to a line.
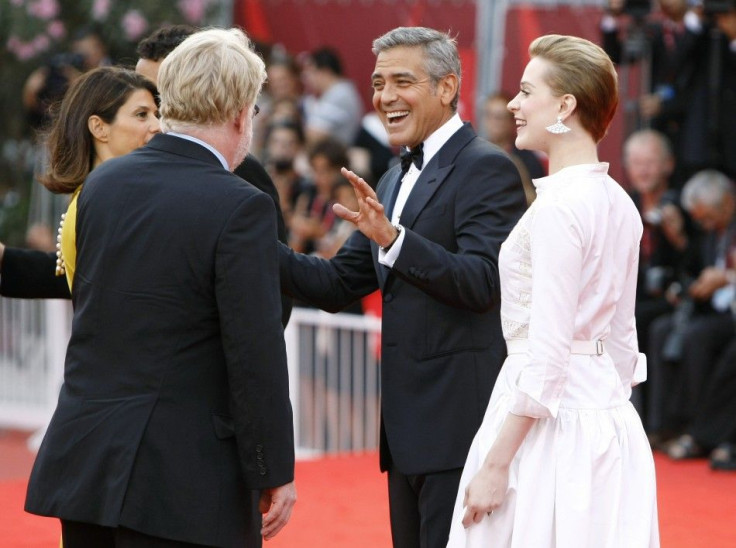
442,345
29,274
175,397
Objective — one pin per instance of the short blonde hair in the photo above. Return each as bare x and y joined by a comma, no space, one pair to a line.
209,78
583,69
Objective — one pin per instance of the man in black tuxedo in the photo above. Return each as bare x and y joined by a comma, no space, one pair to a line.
434,255
174,426
26,273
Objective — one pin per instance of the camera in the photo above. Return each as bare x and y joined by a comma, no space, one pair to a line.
653,217
61,60
638,9
712,7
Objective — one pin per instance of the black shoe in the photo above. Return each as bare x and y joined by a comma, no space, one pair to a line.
723,457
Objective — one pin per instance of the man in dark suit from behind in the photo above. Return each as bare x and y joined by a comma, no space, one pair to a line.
29,273
173,426
434,255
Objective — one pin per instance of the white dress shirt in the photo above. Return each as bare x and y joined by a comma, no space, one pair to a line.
432,145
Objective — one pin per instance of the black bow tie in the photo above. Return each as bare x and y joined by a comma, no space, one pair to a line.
415,155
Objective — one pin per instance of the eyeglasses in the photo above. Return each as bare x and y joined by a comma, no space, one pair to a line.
256,110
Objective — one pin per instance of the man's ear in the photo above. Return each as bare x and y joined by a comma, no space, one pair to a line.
447,88
241,118
98,128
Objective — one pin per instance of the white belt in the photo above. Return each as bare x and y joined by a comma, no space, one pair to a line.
591,348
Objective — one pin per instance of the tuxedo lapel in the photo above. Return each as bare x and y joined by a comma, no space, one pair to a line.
429,181
434,174
390,191
386,195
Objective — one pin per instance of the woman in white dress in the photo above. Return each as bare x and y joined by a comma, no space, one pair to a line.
561,458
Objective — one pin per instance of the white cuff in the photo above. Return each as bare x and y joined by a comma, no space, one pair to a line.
388,258
640,370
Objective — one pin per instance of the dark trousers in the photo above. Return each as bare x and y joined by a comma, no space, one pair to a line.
421,507
715,421
677,387
75,534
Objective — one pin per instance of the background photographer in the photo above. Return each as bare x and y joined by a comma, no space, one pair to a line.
648,163
47,84
723,84
687,73
684,345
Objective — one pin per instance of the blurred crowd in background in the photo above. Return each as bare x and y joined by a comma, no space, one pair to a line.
679,159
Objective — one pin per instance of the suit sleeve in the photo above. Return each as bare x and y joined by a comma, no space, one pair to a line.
557,245
31,274
249,304
330,284
486,207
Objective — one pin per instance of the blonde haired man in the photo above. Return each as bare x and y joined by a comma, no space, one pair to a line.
174,426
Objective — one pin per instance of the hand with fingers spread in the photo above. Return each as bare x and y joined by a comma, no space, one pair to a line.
276,505
370,218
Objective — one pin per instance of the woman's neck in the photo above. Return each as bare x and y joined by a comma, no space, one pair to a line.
571,151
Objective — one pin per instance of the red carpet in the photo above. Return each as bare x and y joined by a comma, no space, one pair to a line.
342,502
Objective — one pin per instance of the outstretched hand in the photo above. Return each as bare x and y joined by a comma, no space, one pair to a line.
276,505
370,218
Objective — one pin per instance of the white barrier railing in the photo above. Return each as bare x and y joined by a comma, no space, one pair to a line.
333,372
334,362
33,338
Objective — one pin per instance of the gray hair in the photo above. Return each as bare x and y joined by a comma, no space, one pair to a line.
708,187
440,51
209,78
642,136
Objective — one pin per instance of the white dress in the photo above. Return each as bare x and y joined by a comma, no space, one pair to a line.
584,475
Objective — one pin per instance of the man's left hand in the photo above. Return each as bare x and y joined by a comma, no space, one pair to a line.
276,505
370,217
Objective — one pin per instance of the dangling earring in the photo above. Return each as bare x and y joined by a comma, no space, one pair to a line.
558,127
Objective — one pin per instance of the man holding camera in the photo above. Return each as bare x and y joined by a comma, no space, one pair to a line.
687,79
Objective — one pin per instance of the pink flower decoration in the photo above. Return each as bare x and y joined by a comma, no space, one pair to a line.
100,10
134,25
193,10
43,9
22,50
56,29
40,43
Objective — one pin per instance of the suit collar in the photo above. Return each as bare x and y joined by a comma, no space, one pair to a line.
183,147
206,145
439,138
446,155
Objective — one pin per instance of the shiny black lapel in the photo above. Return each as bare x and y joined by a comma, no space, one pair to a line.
386,192
434,174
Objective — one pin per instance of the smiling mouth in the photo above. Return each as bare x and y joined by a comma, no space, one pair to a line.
396,116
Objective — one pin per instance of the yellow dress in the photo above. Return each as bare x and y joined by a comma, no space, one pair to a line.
66,255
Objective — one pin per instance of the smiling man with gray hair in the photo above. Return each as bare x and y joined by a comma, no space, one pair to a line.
428,237
174,426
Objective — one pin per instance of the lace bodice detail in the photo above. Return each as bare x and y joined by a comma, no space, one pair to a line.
515,268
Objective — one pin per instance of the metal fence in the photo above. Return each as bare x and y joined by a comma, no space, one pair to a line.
334,362
33,338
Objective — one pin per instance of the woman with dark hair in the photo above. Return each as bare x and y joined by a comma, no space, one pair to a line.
561,458
106,112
